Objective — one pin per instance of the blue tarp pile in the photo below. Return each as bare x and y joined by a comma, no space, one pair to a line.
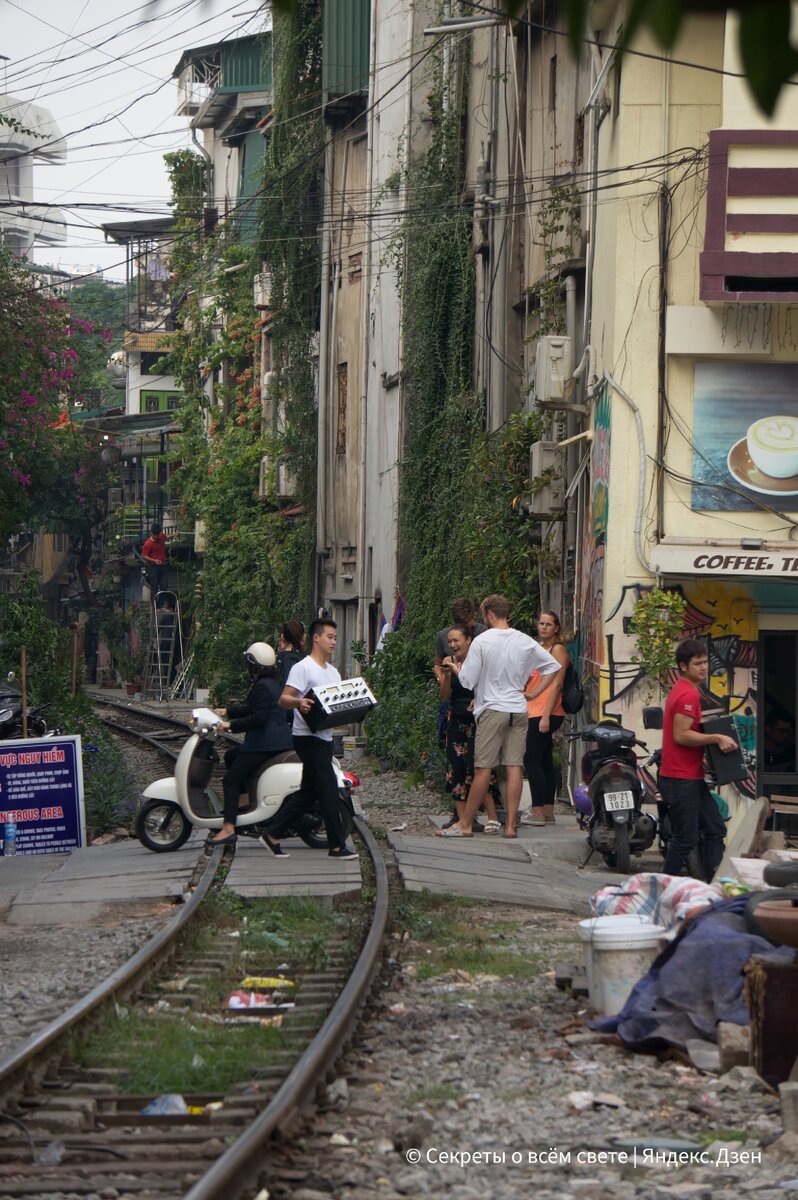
694,983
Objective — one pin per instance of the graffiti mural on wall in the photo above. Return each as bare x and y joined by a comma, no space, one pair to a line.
594,547
723,614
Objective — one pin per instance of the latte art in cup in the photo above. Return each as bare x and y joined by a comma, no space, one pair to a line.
773,445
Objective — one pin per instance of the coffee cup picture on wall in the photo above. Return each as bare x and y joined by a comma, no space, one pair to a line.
766,459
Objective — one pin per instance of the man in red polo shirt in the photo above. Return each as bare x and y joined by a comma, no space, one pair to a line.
692,809
154,554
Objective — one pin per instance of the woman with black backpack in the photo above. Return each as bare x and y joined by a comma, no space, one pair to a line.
546,715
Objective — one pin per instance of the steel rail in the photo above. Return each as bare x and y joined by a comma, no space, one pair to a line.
143,714
14,1066
233,1171
149,740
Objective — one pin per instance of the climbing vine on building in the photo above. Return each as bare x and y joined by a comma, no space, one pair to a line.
258,566
560,232
461,529
291,213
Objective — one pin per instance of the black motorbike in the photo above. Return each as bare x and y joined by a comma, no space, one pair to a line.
617,826
11,713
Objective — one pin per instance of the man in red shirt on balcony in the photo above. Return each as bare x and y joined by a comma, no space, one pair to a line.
154,554
693,811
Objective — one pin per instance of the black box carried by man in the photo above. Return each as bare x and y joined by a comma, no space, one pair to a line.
727,768
338,703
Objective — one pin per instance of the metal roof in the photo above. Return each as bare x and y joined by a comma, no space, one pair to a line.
188,56
128,231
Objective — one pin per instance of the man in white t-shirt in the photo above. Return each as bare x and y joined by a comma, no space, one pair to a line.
314,749
496,668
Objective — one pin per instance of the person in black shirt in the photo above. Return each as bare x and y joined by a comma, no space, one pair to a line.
290,651
461,732
779,747
260,718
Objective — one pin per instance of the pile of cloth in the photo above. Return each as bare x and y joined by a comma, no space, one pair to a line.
665,899
697,980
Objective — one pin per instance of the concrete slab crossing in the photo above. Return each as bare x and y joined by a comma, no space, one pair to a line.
76,888
492,868
42,890
257,873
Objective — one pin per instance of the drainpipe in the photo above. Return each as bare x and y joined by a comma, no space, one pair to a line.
641,482
324,339
336,250
572,452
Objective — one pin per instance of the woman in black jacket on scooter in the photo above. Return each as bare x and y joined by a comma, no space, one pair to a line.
262,722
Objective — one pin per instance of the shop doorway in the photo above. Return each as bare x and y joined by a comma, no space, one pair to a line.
777,703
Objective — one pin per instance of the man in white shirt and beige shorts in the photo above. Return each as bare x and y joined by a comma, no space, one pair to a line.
496,668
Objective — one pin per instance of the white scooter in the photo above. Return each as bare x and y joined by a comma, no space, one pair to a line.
173,807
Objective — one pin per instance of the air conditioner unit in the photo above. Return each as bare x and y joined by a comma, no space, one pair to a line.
553,371
286,483
546,467
263,289
263,477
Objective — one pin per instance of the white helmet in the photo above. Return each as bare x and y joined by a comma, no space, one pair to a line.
260,654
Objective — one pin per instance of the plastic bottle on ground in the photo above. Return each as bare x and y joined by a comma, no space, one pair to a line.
9,838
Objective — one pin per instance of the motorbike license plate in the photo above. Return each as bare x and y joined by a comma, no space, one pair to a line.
618,801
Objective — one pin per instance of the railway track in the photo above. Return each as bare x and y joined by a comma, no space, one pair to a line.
153,728
68,1129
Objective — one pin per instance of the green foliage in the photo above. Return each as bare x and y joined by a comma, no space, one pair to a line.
459,484
109,793
103,306
259,564
293,167
443,414
71,499
23,623
559,229
402,728
499,553
52,476
657,623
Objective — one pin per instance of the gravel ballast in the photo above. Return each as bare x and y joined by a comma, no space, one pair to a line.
463,1062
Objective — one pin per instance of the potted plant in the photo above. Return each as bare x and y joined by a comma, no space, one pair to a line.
129,665
657,623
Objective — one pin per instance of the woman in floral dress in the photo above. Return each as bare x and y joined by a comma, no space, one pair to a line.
460,733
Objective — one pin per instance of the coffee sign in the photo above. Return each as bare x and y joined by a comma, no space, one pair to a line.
724,560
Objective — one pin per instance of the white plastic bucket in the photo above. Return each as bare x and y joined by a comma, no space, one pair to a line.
618,951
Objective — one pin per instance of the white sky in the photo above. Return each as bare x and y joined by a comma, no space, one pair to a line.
55,60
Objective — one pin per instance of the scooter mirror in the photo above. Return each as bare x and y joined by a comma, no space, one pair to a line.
652,717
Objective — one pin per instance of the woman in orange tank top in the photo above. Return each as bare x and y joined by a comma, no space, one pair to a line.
546,715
